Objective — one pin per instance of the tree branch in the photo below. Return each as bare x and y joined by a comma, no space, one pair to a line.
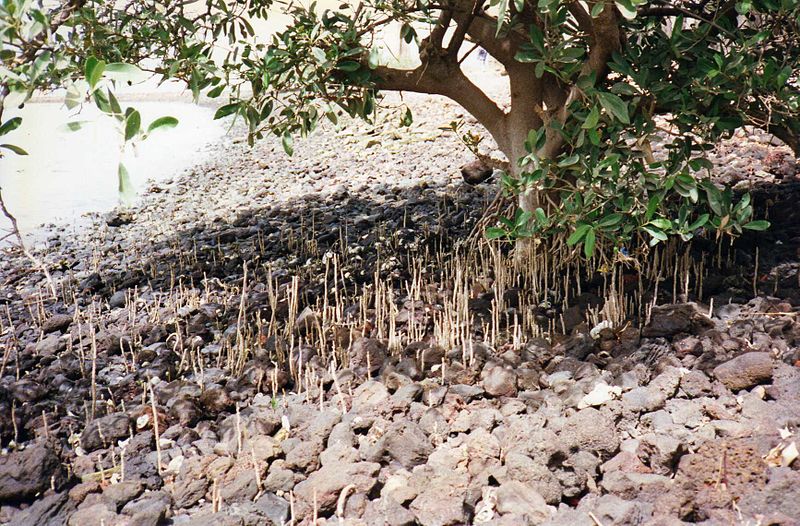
440,77
442,24
461,30
583,18
605,40
483,30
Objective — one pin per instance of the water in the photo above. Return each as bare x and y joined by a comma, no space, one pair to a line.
69,173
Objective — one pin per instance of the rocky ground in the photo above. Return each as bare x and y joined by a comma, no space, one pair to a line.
267,340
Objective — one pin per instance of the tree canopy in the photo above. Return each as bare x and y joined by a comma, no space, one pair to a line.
591,83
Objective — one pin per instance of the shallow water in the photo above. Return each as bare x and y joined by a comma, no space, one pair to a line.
69,173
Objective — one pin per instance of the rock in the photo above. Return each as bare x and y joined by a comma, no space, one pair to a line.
610,509
26,391
696,492
222,518
589,430
437,508
306,320
96,514
149,510
601,394
216,400
57,323
627,462
476,172
186,493
499,381
274,508
25,473
467,392
521,499
150,513
643,399
370,395
368,354
745,371
105,431
117,495
279,478
117,218
185,412
669,320
118,299
79,491
408,444
662,452
642,486
387,512
51,510
240,489
403,397
305,456
690,345
51,345
325,485
523,468
781,496
695,384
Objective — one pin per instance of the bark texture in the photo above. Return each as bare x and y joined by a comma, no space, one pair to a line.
535,102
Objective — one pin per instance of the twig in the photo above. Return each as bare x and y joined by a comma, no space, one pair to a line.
36,262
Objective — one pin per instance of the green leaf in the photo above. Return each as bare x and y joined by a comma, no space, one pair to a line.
588,243
541,217
758,225
10,125
288,143
591,119
715,199
226,110
522,218
319,55
124,186
14,148
133,124
615,106
609,221
699,223
597,8
348,66
74,97
663,224
502,9
373,61
216,92
656,233
162,122
495,232
579,234
94,71
652,206
407,119
114,105
626,8
74,126
122,71
569,161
